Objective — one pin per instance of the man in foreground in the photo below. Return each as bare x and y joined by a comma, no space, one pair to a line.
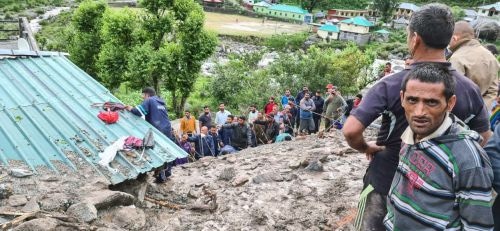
429,33
474,61
443,180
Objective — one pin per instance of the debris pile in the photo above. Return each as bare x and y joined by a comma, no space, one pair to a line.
305,184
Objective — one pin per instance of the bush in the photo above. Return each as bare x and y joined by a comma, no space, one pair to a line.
285,42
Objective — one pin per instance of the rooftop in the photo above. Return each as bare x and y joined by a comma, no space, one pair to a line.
263,4
287,8
329,28
408,6
496,6
359,21
48,121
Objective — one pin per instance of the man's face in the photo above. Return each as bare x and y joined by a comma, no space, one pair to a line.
260,115
425,106
387,68
241,121
221,107
213,130
275,108
287,93
144,96
304,89
252,109
187,114
229,120
184,137
271,100
307,96
206,110
204,130
318,94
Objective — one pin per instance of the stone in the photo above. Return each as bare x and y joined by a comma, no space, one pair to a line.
227,174
19,172
194,193
231,159
42,224
239,181
54,202
267,177
129,217
85,212
5,191
294,164
51,179
17,200
315,166
106,198
31,206
304,162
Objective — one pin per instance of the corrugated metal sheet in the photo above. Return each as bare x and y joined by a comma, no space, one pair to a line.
46,119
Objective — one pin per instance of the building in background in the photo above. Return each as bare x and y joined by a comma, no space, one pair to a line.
489,10
328,32
355,29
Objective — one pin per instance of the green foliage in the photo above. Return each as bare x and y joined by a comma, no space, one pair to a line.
85,44
385,8
458,13
284,42
55,33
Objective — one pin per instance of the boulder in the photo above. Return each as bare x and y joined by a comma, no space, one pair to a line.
31,206
227,174
5,191
267,177
239,181
42,224
19,172
106,198
129,218
85,212
315,166
55,202
17,200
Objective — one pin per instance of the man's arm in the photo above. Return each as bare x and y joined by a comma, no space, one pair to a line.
249,136
353,133
182,127
313,107
140,110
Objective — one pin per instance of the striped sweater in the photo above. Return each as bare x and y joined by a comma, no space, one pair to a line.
442,184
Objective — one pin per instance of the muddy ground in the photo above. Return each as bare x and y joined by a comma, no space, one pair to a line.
305,184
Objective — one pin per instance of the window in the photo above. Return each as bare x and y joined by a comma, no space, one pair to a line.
286,14
330,33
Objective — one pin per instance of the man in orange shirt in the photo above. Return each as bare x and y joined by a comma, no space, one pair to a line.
188,124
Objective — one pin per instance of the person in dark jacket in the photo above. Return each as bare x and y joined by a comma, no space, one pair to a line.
299,97
225,133
318,102
216,139
492,148
203,144
271,128
154,110
242,136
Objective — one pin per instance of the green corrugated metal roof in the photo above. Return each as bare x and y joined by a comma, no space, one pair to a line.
360,21
46,117
383,31
287,8
329,28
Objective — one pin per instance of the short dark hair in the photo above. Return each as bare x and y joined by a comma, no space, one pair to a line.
213,126
318,91
230,116
432,73
388,63
186,111
492,48
149,90
242,117
205,107
434,24
360,96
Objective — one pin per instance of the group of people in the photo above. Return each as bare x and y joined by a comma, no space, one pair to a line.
435,164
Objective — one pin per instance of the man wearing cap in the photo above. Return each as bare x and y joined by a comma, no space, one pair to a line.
332,104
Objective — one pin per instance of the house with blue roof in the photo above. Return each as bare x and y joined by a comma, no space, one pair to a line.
355,29
405,10
282,11
328,32
261,7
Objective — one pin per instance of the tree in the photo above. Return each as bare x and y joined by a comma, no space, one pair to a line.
117,34
172,33
85,43
458,13
385,8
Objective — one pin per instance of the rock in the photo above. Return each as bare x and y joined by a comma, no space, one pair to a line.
42,224
84,212
231,159
227,174
304,162
17,200
54,202
130,217
315,166
31,206
19,172
294,164
194,193
51,179
239,181
267,177
106,198
5,191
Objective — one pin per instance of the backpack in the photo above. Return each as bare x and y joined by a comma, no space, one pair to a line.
109,117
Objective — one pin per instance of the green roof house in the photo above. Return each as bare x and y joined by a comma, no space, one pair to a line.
355,29
287,12
261,7
328,32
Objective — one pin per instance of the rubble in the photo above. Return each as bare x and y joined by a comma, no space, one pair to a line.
307,184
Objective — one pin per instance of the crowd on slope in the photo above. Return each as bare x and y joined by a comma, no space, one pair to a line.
435,164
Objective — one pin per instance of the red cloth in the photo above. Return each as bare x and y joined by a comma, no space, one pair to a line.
269,108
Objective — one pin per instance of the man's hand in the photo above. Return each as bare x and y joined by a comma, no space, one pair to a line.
128,107
371,149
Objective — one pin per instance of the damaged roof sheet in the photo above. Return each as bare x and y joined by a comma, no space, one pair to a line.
46,119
